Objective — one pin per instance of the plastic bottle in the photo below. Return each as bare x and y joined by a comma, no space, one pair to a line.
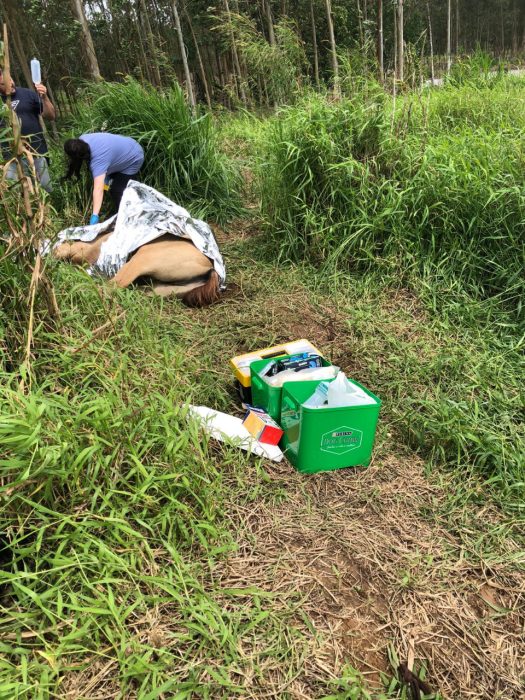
36,74
338,391
341,392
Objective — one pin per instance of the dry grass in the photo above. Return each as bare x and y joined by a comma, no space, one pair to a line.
373,563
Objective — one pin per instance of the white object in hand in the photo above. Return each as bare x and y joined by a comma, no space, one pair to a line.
36,74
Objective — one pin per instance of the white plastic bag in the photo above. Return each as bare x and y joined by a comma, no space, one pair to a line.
342,392
304,375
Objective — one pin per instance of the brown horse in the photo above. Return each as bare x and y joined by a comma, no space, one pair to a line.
174,265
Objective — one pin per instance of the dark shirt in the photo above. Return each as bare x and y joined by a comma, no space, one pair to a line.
28,107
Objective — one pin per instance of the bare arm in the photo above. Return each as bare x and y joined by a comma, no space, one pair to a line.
48,110
98,192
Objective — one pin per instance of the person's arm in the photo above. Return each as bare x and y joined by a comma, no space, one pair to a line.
48,110
98,193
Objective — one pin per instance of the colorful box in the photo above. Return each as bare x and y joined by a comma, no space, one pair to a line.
262,426
266,395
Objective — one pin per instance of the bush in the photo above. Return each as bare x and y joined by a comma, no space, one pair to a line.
316,174
341,188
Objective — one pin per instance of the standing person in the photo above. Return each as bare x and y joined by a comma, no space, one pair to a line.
118,158
28,106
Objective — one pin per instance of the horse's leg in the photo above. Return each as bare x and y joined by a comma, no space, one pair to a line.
164,289
79,252
164,261
167,261
128,273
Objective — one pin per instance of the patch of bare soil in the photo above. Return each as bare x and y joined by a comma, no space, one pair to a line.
374,567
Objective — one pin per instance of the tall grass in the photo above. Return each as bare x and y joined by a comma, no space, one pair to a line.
28,299
417,196
354,185
182,158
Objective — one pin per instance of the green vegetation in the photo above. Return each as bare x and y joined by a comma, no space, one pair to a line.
183,159
131,547
418,198
353,186
112,506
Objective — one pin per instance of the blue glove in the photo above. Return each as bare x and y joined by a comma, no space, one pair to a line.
94,219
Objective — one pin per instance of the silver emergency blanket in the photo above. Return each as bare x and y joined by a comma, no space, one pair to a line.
144,215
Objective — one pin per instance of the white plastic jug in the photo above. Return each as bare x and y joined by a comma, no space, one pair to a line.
337,391
341,392
36,74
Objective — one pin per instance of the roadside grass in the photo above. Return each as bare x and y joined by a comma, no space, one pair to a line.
115,514
385,338
433,210
353,185
118,514
454,388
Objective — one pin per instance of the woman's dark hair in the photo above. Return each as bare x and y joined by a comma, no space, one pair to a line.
78,152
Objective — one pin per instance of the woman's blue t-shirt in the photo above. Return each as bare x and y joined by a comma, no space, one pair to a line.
111,153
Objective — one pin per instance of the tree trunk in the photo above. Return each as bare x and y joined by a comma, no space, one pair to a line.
400,41
54,127
150,40
514,29
269,21
20,53
380,42
431,42
223,78
502,31
220,69
201,64
12,26
114,25
360,25
144,65
87,40
210,62
236,64
449,35
243,76
335,63
457,27
184,56
522,25
314,44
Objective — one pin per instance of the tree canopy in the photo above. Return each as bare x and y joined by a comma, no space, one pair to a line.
246,51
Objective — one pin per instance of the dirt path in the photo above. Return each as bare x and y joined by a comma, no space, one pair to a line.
382,558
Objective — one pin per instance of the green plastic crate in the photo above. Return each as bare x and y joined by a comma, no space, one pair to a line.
266,396
322,439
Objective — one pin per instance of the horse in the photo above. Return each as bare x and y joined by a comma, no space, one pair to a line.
174,265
